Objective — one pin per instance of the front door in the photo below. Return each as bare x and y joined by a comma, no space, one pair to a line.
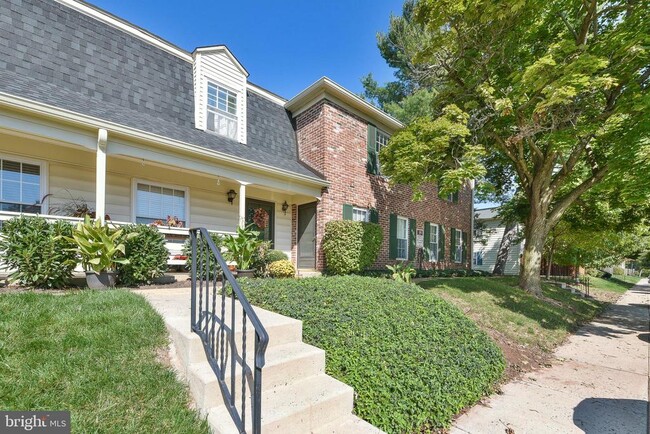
261,209
307,236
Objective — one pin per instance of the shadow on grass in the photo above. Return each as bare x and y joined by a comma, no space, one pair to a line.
570,311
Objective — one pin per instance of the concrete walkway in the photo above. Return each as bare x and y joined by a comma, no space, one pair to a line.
599,384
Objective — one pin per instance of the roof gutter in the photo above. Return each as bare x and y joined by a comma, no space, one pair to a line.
328,86
27,105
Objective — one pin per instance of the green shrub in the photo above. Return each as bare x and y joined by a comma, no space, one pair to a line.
413,359
264,256
351,246
217,239
146,253
282,268
594,272
275,255
37,252
619,271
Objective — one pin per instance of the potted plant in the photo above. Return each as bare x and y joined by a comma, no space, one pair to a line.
100,249
241,248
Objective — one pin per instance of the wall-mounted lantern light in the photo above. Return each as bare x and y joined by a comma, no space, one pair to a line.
285,207
231,196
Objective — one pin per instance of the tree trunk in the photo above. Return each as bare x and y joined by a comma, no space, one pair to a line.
530,276
549,266
509,234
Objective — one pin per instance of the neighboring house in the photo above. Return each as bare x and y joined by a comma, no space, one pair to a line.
488,235
94,109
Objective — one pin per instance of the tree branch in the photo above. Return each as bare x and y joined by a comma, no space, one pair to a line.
520,168
563,204
587,21
568,25
569,164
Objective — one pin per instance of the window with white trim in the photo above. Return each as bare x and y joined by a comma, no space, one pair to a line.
20,186
360,214
381,140
157,203
433,242
478,258
402,238
458,254
222,111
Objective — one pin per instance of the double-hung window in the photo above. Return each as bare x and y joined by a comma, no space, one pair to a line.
360,214
458,253
478,258
433,242
381,140
402,238
20,186
222,111
157,203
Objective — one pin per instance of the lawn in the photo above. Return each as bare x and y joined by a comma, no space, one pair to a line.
99,355
413,359
526,328
614,284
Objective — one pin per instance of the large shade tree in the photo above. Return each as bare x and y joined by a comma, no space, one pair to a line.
547,97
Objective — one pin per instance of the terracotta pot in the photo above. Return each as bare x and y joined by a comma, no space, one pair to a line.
103,280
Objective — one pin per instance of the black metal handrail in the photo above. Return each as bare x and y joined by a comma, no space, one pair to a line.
210,271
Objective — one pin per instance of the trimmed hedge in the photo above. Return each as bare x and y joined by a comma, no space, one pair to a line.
413,359
37,252
447,272
351,246
146,253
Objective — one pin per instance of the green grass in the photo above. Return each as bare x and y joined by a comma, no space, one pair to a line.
413,359
615,284
95,354
498,304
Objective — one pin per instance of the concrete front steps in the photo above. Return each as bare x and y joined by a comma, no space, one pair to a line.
297,396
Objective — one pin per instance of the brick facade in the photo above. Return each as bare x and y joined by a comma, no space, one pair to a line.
333,141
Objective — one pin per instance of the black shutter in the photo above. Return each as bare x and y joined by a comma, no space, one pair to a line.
371,144
374,215
392,237
412,231
347,212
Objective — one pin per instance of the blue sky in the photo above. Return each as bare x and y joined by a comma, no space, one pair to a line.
284,44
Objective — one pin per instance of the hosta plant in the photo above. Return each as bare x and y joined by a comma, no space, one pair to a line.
100,247
402,272
242,247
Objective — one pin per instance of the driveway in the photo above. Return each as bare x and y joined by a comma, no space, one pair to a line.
599,383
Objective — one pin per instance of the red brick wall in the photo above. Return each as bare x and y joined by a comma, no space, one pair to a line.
333,141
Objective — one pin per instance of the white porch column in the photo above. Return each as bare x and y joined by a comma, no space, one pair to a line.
242,203
100,175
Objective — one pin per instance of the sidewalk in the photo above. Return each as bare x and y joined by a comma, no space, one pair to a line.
599,384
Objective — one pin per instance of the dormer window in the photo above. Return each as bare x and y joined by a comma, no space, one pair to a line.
222,111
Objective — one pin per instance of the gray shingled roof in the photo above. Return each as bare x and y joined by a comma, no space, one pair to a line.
55,55
487,213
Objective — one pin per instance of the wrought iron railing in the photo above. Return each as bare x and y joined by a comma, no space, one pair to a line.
581,282
218,305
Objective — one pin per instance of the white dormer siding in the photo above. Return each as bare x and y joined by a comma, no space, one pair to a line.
217,66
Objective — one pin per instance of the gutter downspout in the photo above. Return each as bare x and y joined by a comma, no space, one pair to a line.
472,184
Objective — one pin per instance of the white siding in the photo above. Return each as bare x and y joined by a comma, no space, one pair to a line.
218,67
492,234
